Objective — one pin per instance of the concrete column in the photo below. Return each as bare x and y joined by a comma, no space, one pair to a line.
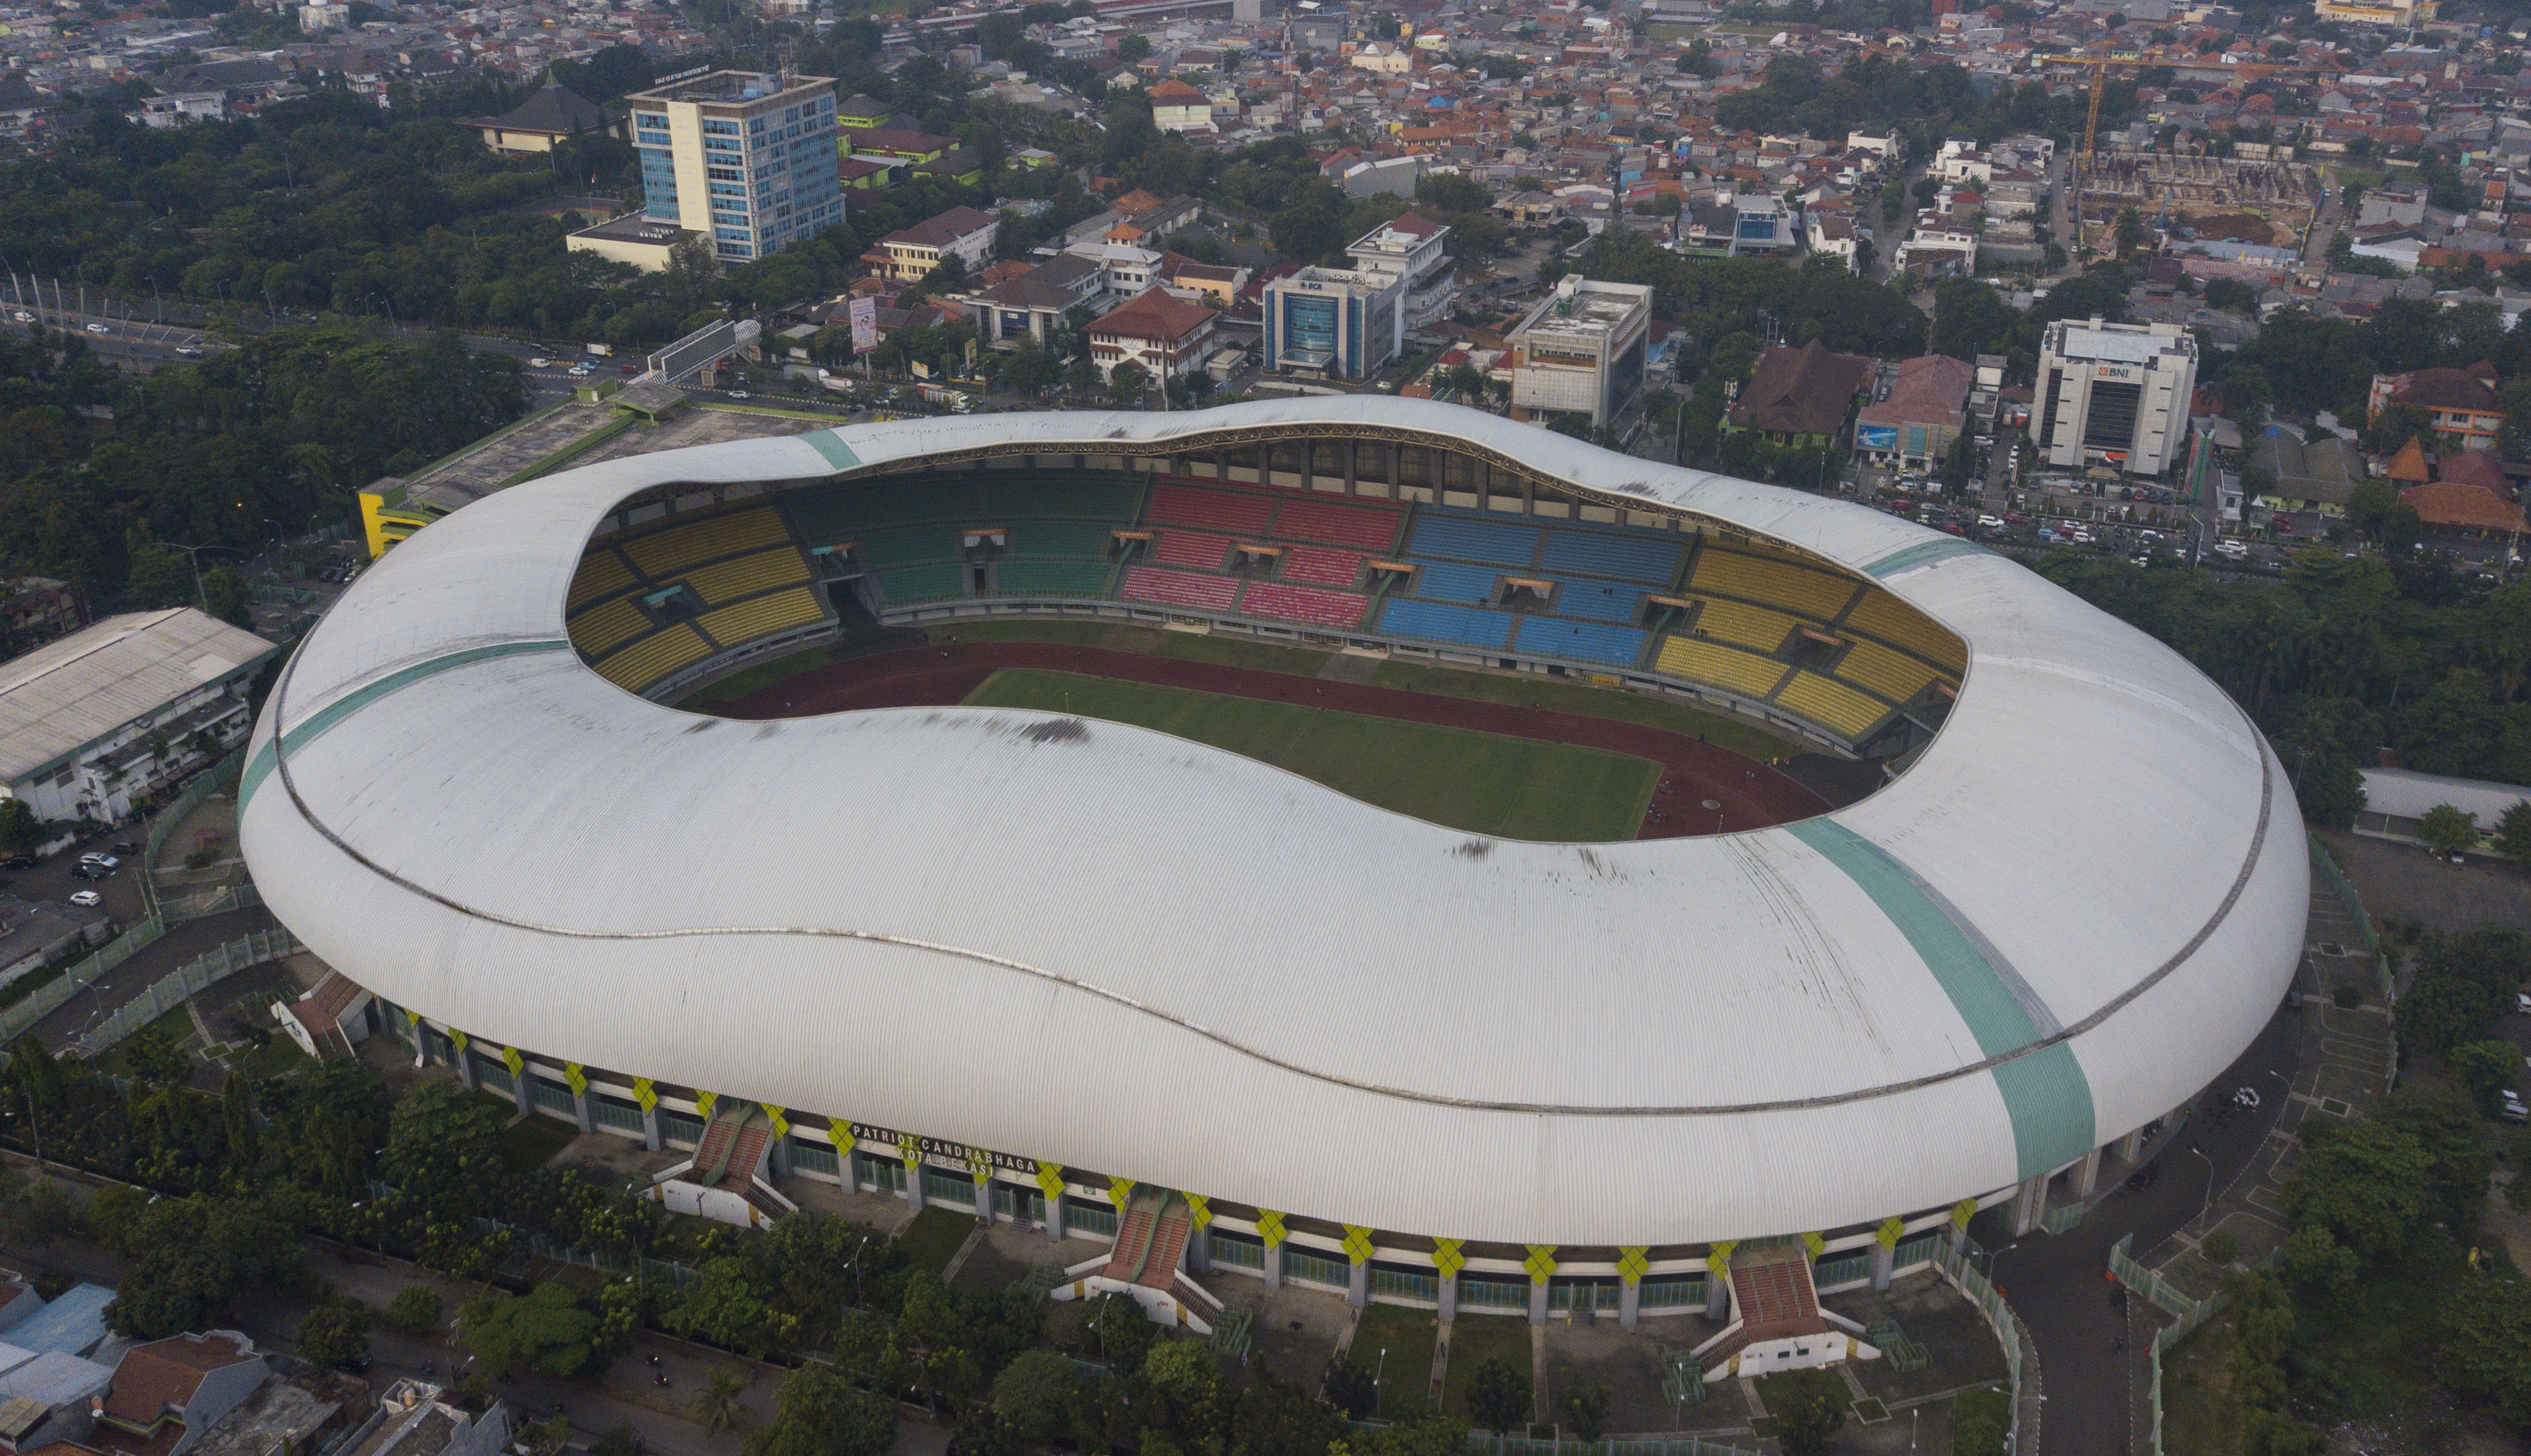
650,1131
1449,1298
1718,1290
522,1083
1538,1301
1396,476
2029,1204
1959,1238
1199,1249
780,1163
1883,1261
2087,1175
1484,482
985,1196
1349,450
580,1111
1273,1267
2130,1146
1630,1302
1054,1219
1309,464
1358,1284
463,1056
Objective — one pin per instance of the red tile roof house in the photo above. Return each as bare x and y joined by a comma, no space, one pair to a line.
2460,402
1169,338
166,1393
328,1018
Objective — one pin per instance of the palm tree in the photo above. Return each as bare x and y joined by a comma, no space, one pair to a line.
718,1405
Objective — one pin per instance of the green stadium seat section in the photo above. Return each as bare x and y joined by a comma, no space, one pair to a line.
1027,578
907,585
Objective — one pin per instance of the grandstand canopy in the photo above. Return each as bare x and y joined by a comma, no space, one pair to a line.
1115,950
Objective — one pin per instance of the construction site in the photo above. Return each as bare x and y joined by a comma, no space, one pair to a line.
2265,202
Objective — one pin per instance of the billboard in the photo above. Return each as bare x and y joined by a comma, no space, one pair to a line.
1877,436
865,318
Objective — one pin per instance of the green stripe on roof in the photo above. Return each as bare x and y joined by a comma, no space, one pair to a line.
1923,553
261,765
2045,1093
831,444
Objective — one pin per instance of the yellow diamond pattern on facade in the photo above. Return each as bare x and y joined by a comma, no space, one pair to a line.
1541,1263
909,1150
511,1059
1269,1228
1891,1230
1962,1211
1817,1244
1357,1244
645,1094
1632,1266
1199,1208
1447,1258
575,1077
1049,1179
980,1163
705,1102
781,1124
1122,1190
458,1040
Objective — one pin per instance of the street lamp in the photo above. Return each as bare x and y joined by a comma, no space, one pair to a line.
192,555
2208,1201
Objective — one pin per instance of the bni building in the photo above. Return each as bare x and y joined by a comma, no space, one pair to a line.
746,156
2115,394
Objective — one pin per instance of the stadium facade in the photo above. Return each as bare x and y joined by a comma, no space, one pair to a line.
975,954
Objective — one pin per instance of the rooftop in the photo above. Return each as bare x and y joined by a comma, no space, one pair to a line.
73,1323
731,87
632,227
1581,306
73,691
2121,343
278,1416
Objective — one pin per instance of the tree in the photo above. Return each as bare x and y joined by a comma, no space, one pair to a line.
1806,1423
2312,1260
819,1413
1498,1396
414,1310
1029,370
19,830
2513,834
1958,459
1586,1411
1120,1331
224,596
1134,48
2487,1344
2394,426
2483,1069
237,1117
191,1257
1080,378
1126,383
1035,1394
544,1329
1351,1389
2220,1247
2448,829
2130,232
718,1405
333,1335
2365,1183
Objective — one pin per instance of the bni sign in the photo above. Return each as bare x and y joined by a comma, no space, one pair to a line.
865,318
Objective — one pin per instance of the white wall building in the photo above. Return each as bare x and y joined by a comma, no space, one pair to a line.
112,715
1581,348
1408,249
2115,394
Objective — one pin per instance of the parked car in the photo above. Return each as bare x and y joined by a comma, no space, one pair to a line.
188,351
1990,522
738,394
2235,550
98,329
101,861
539,363
628,369
17,862
85,899
126,846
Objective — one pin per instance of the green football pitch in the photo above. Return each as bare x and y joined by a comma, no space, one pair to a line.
1488,783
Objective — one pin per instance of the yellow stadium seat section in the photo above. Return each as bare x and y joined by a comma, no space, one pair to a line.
1704,662
603,629
654,657
750,620
1748,625
600,572
670,551
1809,593
1894,621
1893,675
1842,709
748,574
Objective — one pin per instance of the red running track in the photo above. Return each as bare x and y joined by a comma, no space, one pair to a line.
1750,794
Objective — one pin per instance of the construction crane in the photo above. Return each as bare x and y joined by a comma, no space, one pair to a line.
2100,66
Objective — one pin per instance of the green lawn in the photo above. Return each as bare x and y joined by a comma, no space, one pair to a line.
2200,1412
935,1236
1406,1372
1983,1416
1116,637
1516,788
763,675
1071,633
531,1141
1238,652
1524,690
1779,1392
1473,1340
273,1058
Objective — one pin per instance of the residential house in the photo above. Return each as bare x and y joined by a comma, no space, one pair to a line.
1033,304
553,115
1169,338
1801,396
177,1387
1179,107
2460,403
964,233
1924,412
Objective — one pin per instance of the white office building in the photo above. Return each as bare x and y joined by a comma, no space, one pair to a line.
2115,394
1408,249
746,157
1580,350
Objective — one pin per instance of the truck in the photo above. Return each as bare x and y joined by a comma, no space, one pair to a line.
600,351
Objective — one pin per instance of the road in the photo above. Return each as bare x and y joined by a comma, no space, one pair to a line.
2058,1284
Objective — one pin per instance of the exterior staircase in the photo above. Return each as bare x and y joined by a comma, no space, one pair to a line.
1150,1240
1773,1299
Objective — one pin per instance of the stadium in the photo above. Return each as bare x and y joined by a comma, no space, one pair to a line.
1054,966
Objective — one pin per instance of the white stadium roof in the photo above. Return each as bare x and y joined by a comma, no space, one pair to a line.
1119,950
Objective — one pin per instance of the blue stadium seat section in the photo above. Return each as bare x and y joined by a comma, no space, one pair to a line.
1601,601
1624,558
1583,641
1446,581
1474,627
1466,539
